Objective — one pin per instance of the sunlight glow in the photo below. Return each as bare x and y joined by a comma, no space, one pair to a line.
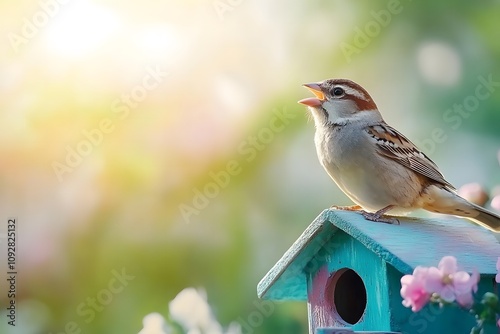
158,42
232,93
80,29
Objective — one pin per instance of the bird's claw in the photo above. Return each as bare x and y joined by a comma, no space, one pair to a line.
374,217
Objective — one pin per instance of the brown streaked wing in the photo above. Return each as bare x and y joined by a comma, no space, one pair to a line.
394,145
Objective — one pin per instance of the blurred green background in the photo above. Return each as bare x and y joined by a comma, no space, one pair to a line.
116,115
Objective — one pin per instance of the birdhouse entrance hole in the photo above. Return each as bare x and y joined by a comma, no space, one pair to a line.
348,294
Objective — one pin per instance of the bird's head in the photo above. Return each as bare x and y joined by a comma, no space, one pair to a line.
338,100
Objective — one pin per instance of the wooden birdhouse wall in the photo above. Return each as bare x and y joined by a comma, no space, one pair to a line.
350,289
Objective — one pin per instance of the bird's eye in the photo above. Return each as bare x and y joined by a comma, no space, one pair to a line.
337,91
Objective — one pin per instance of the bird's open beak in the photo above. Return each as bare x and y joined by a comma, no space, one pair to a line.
311,101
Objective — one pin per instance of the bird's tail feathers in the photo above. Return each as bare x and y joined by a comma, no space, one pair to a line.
448,202
486,218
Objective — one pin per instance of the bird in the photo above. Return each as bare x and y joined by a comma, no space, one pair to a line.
374,164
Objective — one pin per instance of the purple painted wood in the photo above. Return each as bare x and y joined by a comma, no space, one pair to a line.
320,308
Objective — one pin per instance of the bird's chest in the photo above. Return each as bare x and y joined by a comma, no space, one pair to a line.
348,159
352,161
342,150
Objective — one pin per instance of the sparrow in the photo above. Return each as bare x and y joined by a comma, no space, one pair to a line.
375,165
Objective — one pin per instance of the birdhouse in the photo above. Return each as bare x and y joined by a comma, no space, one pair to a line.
349,271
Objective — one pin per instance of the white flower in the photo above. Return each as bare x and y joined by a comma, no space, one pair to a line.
154,323
234,328
191,310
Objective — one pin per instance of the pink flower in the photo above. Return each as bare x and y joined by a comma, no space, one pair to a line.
495,203
443,283
413,289
497,277
473,192
466,299
449,283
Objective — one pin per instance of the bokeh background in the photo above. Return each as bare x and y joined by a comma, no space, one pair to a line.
224,69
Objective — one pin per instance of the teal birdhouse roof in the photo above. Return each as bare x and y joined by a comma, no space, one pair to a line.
415,242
